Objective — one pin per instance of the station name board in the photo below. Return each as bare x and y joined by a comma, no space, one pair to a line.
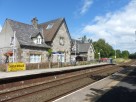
16,67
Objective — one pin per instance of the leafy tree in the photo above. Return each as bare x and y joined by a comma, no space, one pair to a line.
125,54
90,40
104,48
84,39
118,53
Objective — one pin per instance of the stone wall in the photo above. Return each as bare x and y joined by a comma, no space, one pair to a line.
25,55
90,54
63,46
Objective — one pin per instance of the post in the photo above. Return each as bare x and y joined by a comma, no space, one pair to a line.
14,44
99,55
115,50
75,52
75,49
115,53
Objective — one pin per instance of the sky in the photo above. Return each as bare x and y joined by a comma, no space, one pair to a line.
112,20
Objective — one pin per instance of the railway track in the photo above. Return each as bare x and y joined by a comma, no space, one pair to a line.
53,88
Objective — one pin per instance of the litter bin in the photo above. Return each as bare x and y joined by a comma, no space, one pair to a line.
110,60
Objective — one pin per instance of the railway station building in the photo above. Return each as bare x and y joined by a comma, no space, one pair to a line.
30,43
82,51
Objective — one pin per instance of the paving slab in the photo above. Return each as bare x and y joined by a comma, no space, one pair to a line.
87,93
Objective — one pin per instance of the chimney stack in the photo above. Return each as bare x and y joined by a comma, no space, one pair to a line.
35,23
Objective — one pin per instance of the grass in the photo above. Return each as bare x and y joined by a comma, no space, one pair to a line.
121,60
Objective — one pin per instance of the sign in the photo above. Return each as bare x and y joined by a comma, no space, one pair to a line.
16,67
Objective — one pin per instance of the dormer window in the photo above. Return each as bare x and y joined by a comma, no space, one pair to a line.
38,40
49,26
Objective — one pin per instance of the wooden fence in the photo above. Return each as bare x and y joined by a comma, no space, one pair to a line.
31,66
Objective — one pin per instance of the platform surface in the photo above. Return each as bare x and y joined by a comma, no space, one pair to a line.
119,87
4,75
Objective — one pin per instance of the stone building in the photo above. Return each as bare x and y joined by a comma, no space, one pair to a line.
29,43
82,51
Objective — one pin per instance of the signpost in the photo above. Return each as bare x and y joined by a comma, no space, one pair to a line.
16,67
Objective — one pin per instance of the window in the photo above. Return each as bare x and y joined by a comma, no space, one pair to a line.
38,40
49,26
61,41
35,58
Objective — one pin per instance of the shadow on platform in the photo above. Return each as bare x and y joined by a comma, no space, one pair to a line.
124,91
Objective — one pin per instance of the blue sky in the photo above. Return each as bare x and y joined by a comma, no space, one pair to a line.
107,19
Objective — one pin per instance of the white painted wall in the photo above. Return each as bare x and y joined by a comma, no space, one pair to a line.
5,40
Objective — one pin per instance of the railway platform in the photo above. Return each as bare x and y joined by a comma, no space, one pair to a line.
119,87
7,75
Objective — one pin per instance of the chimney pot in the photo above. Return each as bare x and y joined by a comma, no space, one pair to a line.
35,23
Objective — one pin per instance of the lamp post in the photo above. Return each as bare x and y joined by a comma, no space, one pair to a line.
115,50
99,53
115,53
75,49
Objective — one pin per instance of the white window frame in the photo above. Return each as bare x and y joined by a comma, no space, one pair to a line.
38,40
35,58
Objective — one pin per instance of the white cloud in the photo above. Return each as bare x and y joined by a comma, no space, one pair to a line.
0,28
83,7
116,28
86,5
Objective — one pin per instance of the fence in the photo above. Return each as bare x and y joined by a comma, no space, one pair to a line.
31,66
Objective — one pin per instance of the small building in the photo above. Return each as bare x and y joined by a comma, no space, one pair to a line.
82,51
30,43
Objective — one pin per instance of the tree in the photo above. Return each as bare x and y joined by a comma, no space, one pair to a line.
118,53
132,56
49,57
84,39
90,40
104,48
125,54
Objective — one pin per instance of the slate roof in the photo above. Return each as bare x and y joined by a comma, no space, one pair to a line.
24,32
49,34
73,45
81,47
